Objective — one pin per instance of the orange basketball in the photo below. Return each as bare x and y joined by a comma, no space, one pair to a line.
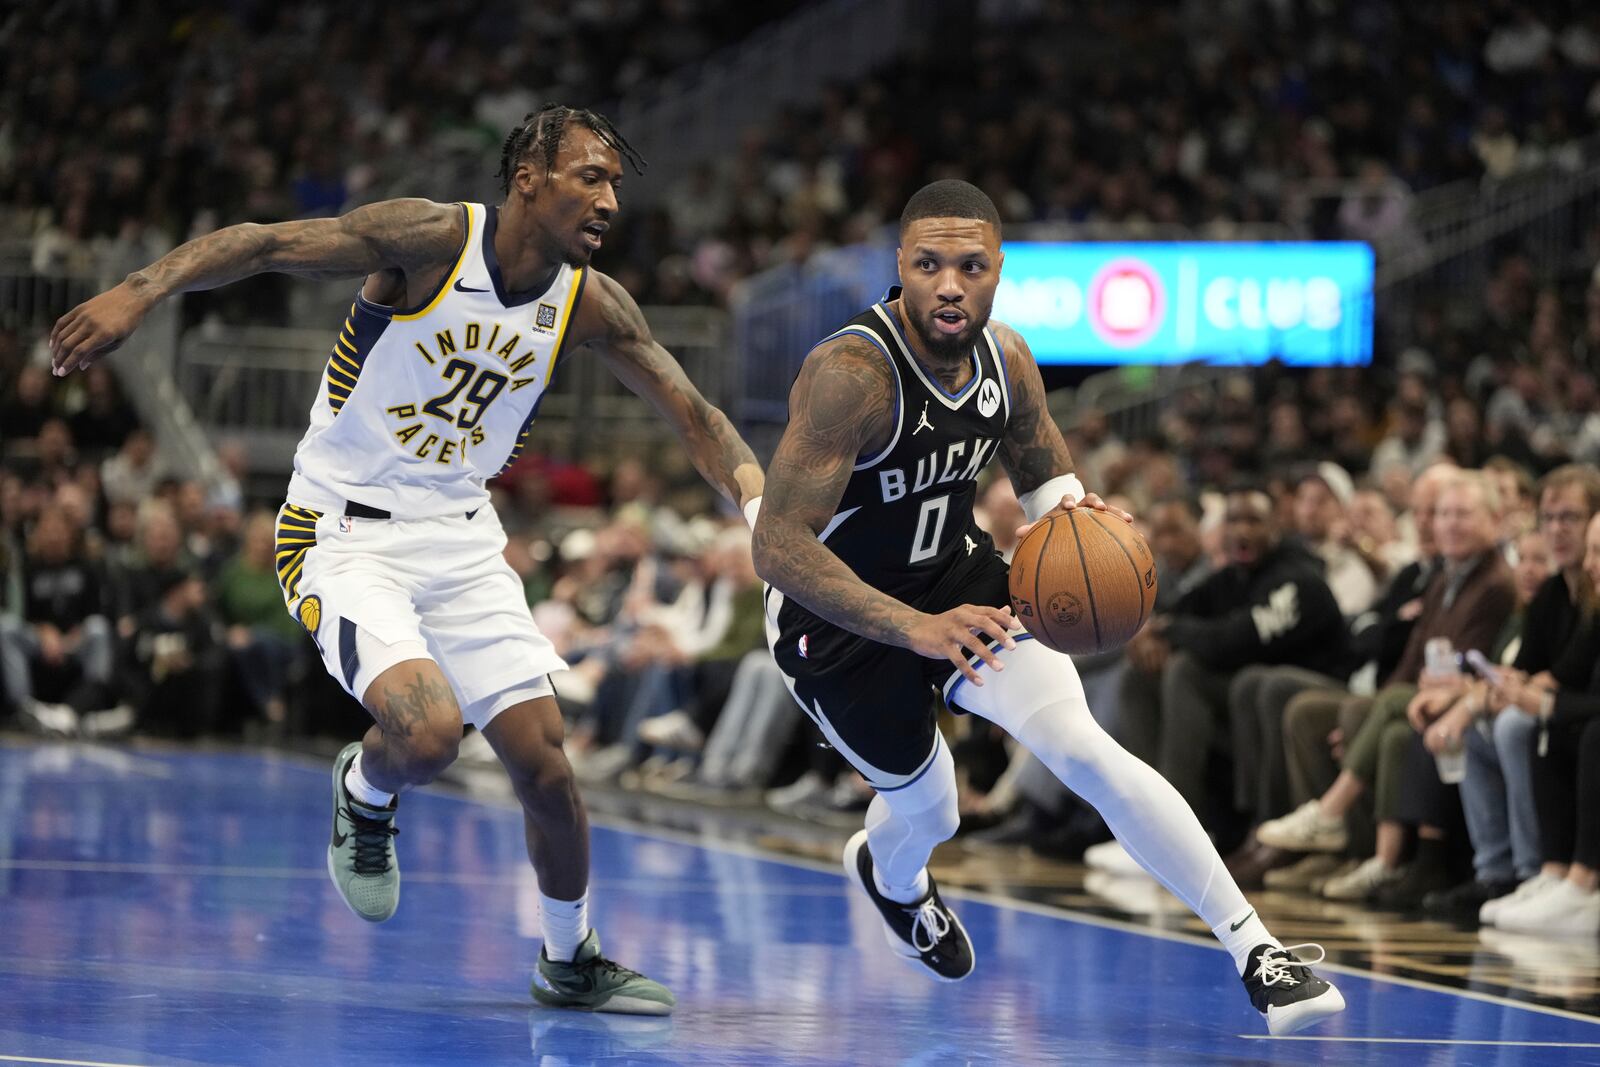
1083,582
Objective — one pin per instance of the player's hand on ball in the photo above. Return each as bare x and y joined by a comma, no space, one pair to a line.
1068,503
95,328
963,632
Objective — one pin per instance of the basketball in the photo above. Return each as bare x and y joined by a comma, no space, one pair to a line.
1083,582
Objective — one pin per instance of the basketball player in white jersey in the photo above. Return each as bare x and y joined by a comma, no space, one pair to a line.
886,596
389,552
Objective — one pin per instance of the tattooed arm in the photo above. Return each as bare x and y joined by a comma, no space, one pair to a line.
842,404
403,237
609,319
1033,451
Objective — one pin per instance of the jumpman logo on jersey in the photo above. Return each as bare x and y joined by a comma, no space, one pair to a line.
971,544
923,423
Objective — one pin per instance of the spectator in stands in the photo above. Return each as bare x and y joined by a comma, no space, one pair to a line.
1270,605
1498,792
61,647
1322,501
1466,604
132,475
1518,497
707,675
1563,900
1466,716
24,412
160,552
104,421
1259,701
173,663
263,641
1414,442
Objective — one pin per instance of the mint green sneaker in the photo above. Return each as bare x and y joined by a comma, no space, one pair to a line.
593,983
361,858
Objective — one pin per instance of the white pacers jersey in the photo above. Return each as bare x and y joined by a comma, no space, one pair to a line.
420,407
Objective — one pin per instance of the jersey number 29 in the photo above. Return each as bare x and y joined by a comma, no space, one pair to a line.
484,389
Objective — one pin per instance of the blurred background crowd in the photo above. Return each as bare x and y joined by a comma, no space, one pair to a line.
1304,682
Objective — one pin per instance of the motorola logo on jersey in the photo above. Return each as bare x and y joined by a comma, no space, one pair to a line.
1127,302
988,397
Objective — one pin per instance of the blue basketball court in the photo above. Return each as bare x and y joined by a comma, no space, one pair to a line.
174,909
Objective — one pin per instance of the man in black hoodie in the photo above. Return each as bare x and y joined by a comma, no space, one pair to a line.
1270,604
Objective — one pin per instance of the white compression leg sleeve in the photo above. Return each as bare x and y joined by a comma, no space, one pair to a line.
904,825
1039,700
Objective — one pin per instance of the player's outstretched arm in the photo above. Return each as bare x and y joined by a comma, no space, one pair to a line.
1033,451
403,235
610,319
841,403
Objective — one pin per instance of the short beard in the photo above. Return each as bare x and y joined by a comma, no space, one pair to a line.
943,348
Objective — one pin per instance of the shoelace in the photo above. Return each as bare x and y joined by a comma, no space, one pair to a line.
1278,965
931,920
372,842
609,968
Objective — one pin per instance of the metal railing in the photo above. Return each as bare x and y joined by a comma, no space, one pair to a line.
256,384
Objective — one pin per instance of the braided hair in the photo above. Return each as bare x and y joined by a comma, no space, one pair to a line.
542,131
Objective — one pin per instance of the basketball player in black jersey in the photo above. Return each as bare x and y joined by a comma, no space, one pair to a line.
885,595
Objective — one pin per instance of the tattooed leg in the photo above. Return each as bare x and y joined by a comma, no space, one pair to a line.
417,726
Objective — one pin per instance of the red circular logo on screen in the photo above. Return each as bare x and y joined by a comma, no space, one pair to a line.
1126,303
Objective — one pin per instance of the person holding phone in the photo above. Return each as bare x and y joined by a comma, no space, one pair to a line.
1497,795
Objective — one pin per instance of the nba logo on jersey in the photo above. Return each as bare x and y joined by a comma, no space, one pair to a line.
547,317
804,641
988,397
346,524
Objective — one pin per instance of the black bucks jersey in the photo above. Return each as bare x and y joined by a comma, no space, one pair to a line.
904,524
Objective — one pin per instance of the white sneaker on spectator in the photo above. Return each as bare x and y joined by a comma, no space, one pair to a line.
1489,914
1362,882
58,720
675,730
809,786
1305,829
109,722
1111,857
1302,875
1320,882
1562,909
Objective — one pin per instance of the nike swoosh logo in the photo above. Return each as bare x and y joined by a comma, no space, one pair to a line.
1235,927
338,839
467,288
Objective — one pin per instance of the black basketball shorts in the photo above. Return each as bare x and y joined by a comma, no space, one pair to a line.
878,704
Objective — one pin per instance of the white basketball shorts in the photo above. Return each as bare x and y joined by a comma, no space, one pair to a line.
376,592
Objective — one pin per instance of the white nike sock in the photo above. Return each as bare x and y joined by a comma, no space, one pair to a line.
565,924
363,790
1241,933
901,894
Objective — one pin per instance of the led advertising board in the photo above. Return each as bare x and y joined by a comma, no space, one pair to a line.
1305,303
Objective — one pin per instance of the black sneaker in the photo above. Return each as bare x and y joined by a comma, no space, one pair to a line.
1464,902
926,931
1285,992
